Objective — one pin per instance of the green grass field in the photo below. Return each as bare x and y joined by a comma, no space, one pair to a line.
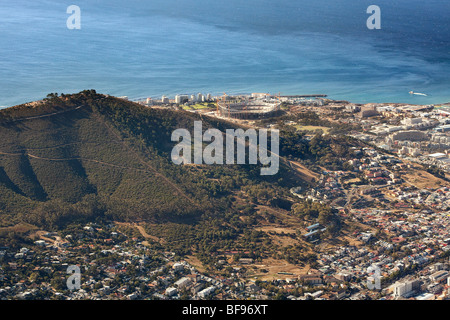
197,106
311,128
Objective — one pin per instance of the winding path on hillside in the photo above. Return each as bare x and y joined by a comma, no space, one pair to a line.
142,231
74,158
44,115
150,168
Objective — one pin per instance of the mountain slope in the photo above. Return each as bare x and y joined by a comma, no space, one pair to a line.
89,156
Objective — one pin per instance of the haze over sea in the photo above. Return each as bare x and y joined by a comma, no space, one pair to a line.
150,48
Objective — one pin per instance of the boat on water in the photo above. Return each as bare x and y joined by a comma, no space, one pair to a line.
418,93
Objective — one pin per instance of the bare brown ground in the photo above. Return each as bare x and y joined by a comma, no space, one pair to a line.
21,227
422,179
142,231
193,260
276,266
304,172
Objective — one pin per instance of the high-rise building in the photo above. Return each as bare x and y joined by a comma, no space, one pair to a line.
180,98
404,289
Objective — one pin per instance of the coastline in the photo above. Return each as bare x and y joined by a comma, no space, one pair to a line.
349,101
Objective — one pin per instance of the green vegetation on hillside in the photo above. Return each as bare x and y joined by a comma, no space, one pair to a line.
88,156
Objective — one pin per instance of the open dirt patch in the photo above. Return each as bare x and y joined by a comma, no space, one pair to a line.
193,260
274,267
142,231
303,172
422,179
21,227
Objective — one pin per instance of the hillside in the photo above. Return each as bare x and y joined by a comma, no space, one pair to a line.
89,156
73,159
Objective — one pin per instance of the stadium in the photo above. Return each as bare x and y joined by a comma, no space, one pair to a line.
247,110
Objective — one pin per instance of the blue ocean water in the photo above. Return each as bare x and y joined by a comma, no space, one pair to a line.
150,48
